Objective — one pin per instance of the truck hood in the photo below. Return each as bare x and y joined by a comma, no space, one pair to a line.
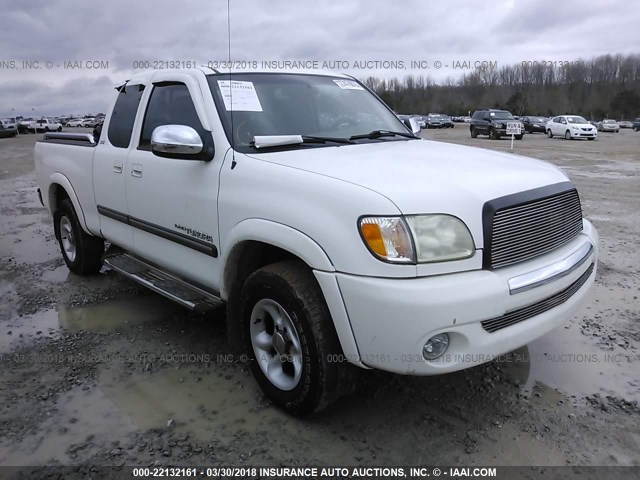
421,176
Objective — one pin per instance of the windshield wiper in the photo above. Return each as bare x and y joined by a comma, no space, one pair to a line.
314,139
270,141
382,133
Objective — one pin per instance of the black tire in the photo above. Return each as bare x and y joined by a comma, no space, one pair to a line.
59,129
567,135
292,286
590,138
549,134
88,248
474,134
519,137
46,129
494,134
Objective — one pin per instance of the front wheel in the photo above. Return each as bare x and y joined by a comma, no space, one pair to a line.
519,137
289,338
567,135
493,134
591,138
81,252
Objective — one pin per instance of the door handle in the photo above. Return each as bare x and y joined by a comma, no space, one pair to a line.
136,170
117,167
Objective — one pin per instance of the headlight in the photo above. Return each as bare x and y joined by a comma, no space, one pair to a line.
440,237
388,238
573,127
498,125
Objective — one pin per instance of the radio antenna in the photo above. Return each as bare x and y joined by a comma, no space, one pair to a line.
233,132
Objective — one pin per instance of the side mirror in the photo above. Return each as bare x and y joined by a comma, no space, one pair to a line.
412,125
167,140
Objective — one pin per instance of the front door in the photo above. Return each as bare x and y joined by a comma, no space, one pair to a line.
173,201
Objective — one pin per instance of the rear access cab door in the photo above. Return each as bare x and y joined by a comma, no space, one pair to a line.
110,165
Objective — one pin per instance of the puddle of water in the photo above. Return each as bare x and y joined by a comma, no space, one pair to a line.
79,414
568,361
57,275
96,318
150,400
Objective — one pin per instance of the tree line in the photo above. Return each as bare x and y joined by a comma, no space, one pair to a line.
607,86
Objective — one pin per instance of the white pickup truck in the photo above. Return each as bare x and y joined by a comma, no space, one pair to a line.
45,125
333,233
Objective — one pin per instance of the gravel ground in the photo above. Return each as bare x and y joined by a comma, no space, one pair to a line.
98,371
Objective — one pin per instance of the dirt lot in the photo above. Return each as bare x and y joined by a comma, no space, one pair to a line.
98,371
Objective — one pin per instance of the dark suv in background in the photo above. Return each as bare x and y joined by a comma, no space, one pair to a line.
493,123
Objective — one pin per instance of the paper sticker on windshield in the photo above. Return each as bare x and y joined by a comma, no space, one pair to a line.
239,96
348,85
492,114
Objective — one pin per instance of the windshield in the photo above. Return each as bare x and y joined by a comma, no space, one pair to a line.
501,115
295,104
576,120
536,119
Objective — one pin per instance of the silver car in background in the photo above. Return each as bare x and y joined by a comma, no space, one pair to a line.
608,125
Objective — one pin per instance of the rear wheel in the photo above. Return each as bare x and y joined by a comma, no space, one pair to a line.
474,134
289,337
549,134
81,252
59,129
567,135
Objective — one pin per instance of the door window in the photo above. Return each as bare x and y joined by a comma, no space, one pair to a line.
171,104
124,115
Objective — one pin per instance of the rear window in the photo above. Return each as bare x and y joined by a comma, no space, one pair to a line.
124,115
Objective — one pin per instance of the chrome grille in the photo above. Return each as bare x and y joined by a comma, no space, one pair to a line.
524,231
516,316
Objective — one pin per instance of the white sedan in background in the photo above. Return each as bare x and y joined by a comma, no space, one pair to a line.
608,125
571,127
76,122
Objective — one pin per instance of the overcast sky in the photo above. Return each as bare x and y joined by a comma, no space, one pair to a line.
120,33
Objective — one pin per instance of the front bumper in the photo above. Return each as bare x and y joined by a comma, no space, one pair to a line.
583,134
391,319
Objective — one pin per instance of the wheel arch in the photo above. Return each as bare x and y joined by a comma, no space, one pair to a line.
59,189
254,243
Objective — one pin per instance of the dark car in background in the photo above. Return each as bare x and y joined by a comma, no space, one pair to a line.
447,122
636,125
7,129
534,124
433,120
493,123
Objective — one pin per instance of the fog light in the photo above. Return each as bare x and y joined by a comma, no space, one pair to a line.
435,346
